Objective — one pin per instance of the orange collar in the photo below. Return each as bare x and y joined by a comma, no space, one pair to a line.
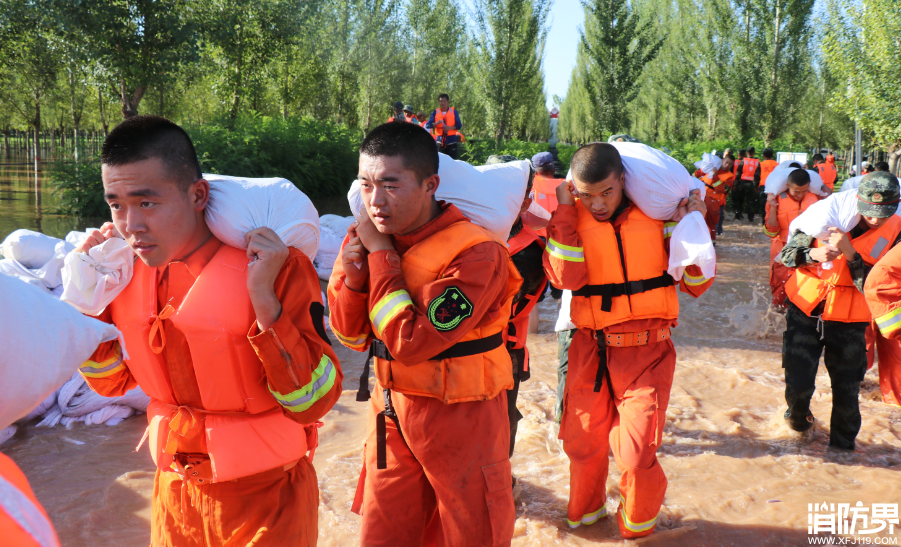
449,215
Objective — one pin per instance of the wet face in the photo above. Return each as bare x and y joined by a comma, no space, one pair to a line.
397,200
874,222
601,198
442,102
798,192
160,220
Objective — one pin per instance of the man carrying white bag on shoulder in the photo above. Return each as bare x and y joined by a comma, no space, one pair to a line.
202,328
606,247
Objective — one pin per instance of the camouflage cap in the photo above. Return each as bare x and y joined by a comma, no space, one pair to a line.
878,195
500,158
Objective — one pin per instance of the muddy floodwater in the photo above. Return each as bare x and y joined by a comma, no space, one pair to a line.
737,475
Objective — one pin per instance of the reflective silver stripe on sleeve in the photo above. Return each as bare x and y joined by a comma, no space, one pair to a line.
554,249
878,247
317,385
26,514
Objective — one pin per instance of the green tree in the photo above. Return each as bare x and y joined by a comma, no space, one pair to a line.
617,47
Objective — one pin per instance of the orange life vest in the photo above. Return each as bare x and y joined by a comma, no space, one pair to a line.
23,522
827,173
749,166
788,210
544,193
245,429
766,167
610,297
410,119
719,197
517,333
448,119
478,377
810,285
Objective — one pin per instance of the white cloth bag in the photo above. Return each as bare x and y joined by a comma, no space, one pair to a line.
709,163
238,205
837,211
852,184
31,249
490,196
44,343
656,183
93,279
777,181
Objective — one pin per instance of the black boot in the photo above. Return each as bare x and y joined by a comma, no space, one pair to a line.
799,424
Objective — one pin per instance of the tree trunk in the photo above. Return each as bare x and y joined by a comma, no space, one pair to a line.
130,103
103,120
894,158
37,132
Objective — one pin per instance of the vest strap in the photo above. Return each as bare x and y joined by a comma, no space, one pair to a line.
381,432
603,372
608,291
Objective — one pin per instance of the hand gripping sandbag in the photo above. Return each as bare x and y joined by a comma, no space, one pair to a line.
44,343
777,182
238,205
93,279
489,195
31,249
837,211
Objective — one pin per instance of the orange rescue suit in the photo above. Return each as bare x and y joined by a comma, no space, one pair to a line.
446,121
544,193
518,333
767,167
23,522
788,209
749,166
478,377
883,294
811,284
827,173
241,424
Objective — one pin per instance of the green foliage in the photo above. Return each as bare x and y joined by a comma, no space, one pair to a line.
320,158
80,189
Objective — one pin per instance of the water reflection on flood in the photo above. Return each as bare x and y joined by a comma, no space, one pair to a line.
737,475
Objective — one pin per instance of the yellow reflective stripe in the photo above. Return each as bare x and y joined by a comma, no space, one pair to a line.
565,252
692,280
889,322
637,526
93,369
352,343
769,233
388,307
715,184
302,399
591,518
668,228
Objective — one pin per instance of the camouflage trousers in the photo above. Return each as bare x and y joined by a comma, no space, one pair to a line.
845,354
564,339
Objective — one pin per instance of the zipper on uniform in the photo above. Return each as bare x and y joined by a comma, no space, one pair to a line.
287,357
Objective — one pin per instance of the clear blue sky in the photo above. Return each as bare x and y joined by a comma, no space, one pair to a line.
565,21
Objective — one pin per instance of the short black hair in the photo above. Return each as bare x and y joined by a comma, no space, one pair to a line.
881,166
595,162
799,177
796,165
729,156
768,153
742,152
444,96
143,137
817,157
751,150
412,143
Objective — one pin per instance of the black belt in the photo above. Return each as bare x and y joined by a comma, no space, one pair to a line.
460,349
608,291
603,372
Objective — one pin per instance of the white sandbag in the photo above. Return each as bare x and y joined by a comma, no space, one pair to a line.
837,211
43,407
238,205
489,195
7,433
690,245
48,276
93,279
77,238
336,224
44,343
564,321
31,249
77,402
709,163
329,249
13,268
536,217
777,181
852,184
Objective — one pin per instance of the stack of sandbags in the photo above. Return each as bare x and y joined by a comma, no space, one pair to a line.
490,196
656,183
35,258
44,343
332,230
77,402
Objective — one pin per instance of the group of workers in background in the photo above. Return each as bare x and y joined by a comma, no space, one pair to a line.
442,307
444,124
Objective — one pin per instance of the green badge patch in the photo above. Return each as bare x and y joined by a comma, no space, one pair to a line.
447,311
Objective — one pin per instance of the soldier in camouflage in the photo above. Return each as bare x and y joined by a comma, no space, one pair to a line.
844,344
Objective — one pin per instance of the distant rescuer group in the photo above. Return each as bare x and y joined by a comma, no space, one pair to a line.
240,370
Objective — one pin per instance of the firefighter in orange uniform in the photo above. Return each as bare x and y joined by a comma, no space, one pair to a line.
828,310
718,187
767,166
429,293
744,193
234,357
622,360
445,125
826,169
781,210
883,293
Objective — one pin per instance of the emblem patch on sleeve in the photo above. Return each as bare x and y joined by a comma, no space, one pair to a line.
447,311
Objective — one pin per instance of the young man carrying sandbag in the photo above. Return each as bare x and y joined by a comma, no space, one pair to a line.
621,362
718,185
828,311
431,293
781,210
233,355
